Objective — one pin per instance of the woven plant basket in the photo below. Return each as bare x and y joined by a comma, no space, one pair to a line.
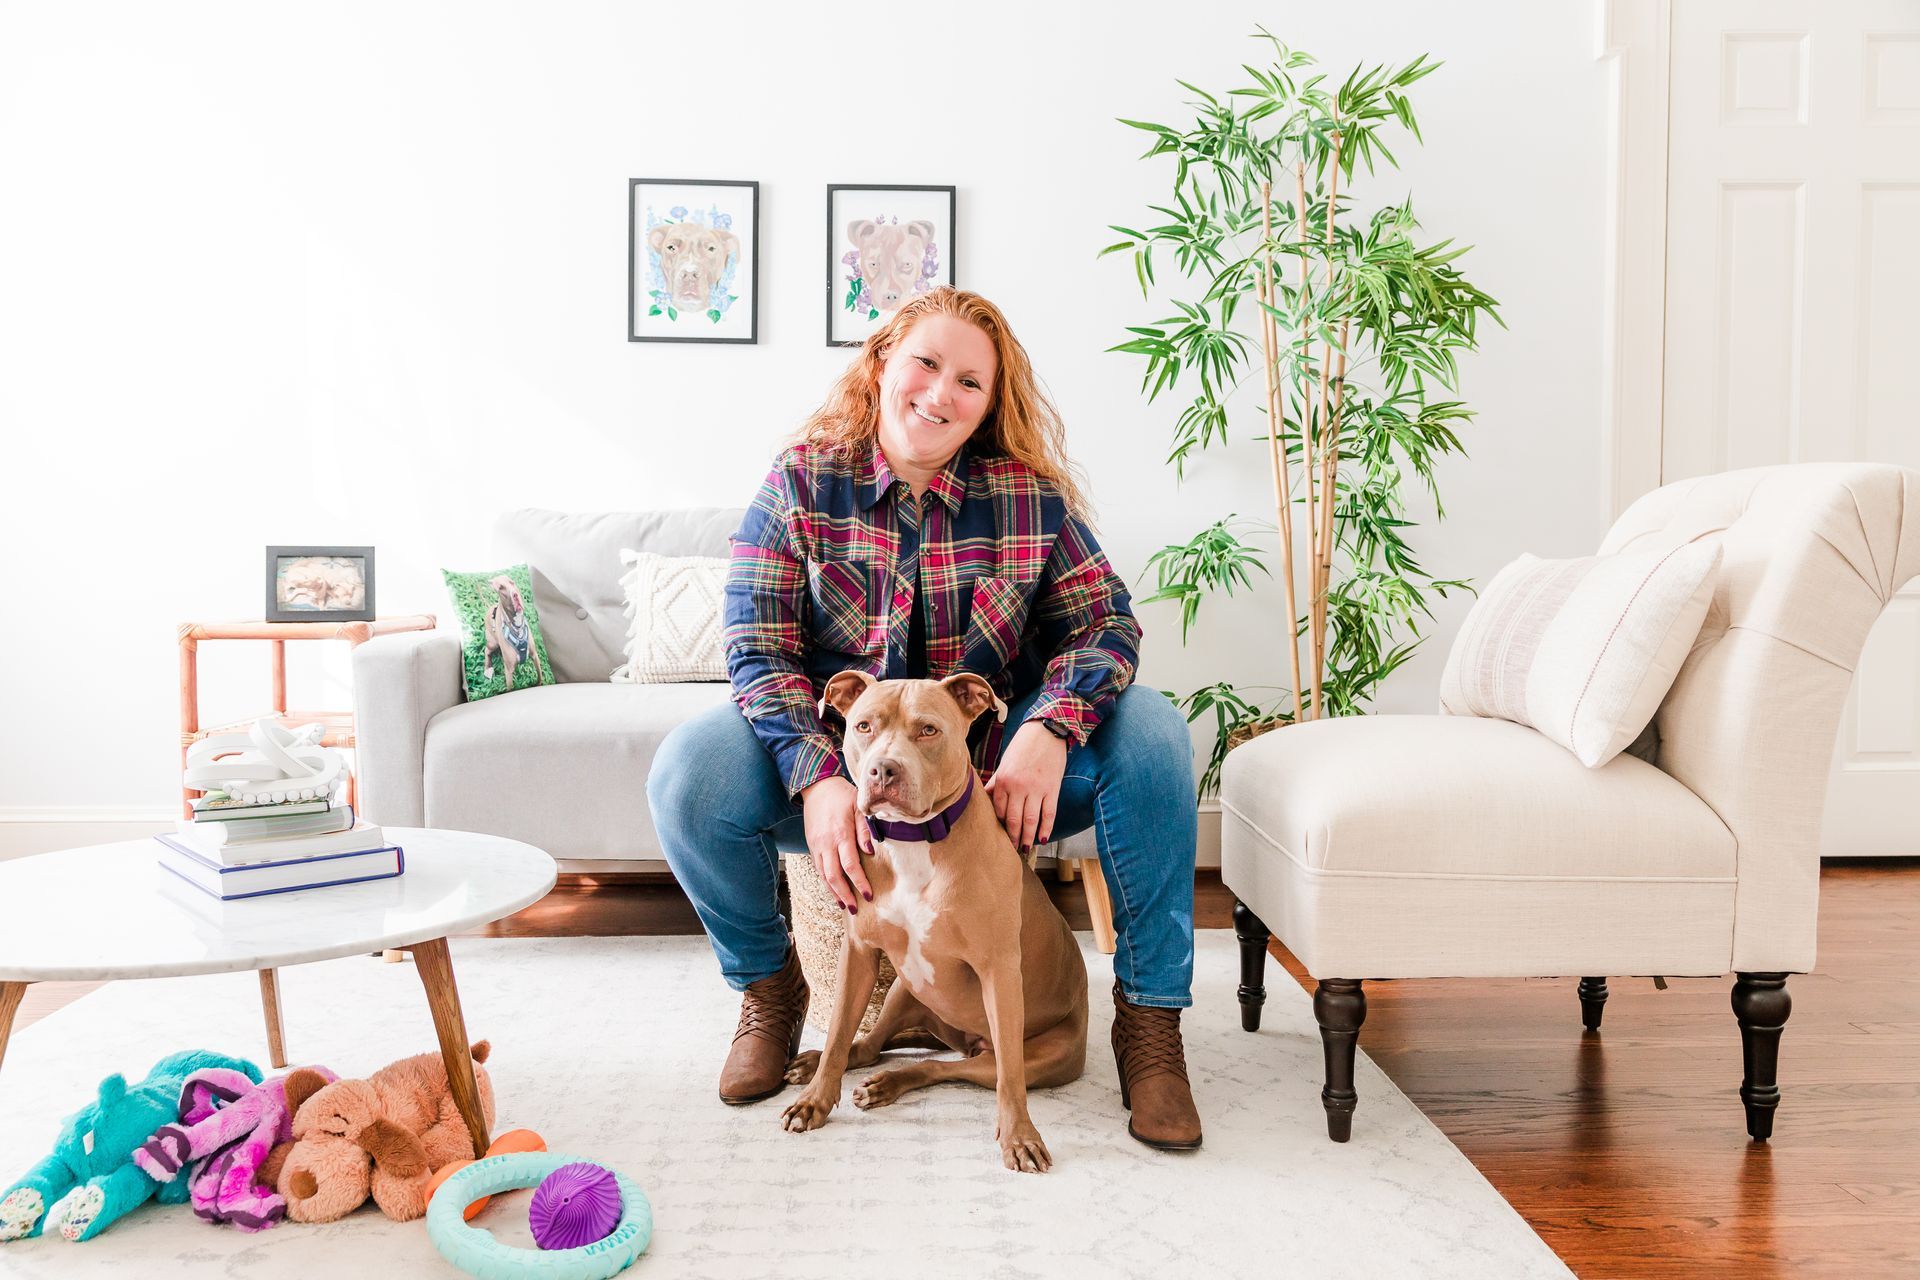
1247,733
819,927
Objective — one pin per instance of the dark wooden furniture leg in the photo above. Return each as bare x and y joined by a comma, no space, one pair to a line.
10,993
270,1006
1761,1003
1593,1001
1339,1006
443,998
1253,937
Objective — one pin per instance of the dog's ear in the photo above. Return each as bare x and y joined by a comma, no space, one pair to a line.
397,1152
974,695
301,1085
844,690
269,1174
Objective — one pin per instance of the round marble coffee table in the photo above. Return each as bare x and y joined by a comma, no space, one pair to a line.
141,921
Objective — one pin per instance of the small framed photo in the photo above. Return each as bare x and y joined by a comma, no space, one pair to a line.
884,245
319,584
693,261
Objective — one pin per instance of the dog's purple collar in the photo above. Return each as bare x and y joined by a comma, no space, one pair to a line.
933,830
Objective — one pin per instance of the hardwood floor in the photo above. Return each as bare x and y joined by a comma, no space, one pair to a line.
1626,1149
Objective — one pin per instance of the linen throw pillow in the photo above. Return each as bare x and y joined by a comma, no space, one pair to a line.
501,645
1582,650
673,618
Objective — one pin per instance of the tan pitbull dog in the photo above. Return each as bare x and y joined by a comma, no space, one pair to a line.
986,961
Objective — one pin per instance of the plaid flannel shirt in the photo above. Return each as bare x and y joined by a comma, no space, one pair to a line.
824,575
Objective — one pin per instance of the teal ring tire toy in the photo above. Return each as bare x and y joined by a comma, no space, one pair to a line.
476,1252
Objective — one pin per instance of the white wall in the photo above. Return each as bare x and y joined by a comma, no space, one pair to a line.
356,273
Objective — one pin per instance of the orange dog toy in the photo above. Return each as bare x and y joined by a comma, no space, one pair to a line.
512,1140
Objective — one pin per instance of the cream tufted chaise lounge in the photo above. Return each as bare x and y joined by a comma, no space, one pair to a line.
1444,846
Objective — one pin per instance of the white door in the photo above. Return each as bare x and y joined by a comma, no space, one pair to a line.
1793,304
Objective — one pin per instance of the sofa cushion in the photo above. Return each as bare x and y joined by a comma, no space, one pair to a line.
502,645
1582,650
562,767
675,627
576,572
1443,846
1455,796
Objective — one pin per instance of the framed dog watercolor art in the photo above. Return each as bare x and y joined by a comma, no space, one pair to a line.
319,584
884,245
693,260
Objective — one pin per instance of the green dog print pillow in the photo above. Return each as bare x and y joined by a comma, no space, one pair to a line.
502,648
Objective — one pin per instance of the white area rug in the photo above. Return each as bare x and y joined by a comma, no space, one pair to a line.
610,1048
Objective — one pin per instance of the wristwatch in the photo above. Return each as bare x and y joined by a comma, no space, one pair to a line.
1059,730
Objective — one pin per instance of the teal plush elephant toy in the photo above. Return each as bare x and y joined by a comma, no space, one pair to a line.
90,1181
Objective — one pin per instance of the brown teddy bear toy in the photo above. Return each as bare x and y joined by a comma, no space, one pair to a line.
382,1136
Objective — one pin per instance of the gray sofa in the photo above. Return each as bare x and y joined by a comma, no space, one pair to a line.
562,766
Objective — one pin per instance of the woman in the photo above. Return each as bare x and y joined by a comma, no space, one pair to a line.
926,521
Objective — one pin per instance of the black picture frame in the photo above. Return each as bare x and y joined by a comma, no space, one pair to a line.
279,610
749,261
837,240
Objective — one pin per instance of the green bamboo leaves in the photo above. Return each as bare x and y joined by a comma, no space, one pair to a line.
1355,329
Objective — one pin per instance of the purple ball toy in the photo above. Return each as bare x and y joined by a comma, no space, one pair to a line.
574,1205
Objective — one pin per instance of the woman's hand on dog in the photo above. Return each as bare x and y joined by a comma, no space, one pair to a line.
1026,786
837,837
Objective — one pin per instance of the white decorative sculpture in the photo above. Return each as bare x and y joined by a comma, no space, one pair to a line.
266,764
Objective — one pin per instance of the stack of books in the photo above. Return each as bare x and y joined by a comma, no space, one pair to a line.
233,848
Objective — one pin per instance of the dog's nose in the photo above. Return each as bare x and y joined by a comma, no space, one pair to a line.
884,772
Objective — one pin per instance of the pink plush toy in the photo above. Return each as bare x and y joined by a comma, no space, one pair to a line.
228,1126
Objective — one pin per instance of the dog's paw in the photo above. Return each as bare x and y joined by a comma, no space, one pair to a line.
76,1211
804,1064
877,1090
807,1113
18,1213
1022,1150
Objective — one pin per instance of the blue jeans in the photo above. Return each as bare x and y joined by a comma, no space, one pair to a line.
724,817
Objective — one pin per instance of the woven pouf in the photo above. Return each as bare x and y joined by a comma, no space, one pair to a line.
819,927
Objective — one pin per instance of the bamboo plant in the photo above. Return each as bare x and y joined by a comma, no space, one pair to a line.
1355,328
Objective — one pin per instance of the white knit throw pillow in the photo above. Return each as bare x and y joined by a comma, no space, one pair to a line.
673,618
1582,650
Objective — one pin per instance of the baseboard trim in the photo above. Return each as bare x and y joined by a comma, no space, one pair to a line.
90,813
25,831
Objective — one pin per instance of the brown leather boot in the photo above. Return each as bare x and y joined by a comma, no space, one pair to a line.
773,1011
1153,1075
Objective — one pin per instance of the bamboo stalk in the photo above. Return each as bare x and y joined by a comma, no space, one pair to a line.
1277,456
1308,424
1329,459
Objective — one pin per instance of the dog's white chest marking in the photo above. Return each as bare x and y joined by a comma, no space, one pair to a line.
909,905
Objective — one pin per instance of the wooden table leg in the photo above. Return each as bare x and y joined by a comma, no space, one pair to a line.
443,998
189,705
1099,904
270,1005
10,993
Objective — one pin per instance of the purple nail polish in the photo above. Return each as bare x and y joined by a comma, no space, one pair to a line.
869,895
